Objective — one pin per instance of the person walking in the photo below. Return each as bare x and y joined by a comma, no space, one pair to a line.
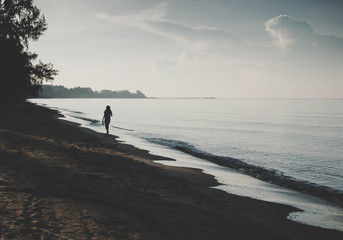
107,118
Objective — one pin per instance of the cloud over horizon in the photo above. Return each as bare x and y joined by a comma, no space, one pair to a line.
155,20
201,48
287,32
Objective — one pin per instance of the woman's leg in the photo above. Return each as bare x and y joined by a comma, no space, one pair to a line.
107,126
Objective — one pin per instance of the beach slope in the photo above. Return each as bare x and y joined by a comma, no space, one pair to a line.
58,181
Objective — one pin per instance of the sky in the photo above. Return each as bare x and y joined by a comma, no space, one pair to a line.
197,48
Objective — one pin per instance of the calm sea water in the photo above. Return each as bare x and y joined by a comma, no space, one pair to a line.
297,144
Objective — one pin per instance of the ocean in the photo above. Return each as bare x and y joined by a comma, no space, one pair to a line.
287,151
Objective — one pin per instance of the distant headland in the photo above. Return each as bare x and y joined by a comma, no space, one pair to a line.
51,91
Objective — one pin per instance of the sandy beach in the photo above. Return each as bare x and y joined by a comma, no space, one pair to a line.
59,181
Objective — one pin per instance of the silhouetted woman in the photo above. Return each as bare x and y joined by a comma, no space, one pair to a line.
107,118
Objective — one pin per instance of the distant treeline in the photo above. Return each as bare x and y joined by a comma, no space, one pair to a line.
50,91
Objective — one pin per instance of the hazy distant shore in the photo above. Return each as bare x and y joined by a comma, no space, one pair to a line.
51,91
59,181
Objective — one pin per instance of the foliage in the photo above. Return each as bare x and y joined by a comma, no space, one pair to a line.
20,74
50,91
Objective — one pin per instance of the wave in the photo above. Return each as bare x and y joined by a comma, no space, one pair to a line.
90,120
97,123
267,175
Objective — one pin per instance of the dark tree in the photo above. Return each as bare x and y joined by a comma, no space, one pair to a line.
20,74
50,91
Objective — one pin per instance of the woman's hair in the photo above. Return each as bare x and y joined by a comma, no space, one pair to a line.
108,107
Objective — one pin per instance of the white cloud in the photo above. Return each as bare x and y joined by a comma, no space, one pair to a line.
138,19
286,31
188,58
164,67
151,20
200,44
155,20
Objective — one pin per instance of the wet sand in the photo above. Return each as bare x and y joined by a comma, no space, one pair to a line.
59,181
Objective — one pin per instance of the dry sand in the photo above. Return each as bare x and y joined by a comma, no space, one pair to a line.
58,181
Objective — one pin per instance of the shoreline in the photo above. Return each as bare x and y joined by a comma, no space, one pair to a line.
61,181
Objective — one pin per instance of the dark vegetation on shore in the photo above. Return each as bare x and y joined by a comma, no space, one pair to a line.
51,91
21,75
